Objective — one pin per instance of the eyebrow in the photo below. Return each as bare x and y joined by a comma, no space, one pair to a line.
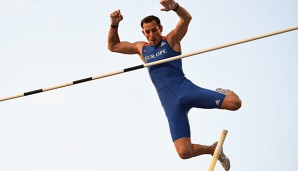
151,28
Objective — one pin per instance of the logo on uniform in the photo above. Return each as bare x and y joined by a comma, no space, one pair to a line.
162,44
217,102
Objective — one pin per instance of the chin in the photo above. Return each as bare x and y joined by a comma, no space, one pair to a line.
153,43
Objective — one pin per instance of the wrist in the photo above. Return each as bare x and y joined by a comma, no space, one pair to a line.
176,8
114,25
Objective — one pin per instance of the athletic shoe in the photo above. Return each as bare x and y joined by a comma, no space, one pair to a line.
223,91
223,159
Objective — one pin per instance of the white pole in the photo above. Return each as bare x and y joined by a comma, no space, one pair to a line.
221,46
218,149
149,64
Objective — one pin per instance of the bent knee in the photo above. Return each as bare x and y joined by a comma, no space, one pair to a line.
235,105
184,154
184,148
232,103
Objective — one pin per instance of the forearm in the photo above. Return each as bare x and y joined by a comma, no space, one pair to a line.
183,13
113,37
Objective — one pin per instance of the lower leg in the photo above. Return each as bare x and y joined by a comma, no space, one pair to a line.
202,149
186,149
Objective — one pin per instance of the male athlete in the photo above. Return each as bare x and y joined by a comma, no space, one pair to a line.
176,93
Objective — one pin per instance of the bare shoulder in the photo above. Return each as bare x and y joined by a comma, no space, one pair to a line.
139,45
173,41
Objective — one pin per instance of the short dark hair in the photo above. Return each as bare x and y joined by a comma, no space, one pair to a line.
149,19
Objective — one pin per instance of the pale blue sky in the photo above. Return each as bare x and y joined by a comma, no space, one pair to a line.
117,123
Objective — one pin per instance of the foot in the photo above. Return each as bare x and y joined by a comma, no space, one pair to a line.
223,159
223,91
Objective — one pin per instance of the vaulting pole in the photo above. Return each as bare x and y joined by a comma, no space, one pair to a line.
222,46
218,149
149,64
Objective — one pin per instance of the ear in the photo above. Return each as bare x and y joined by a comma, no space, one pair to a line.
160,28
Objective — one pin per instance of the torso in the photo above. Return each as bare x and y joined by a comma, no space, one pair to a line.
166,73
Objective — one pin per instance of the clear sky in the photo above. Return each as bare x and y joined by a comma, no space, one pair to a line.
117,123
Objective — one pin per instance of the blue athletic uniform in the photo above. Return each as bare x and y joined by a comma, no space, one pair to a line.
176,93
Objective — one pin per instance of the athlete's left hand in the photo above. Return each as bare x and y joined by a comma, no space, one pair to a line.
168,5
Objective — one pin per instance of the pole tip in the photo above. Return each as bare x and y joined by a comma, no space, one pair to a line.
224,131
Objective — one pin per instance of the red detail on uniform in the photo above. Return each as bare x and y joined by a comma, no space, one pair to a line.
162,38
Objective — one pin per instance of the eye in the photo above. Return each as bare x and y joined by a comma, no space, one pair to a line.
154,30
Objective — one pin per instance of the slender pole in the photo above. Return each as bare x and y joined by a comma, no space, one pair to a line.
221,46
218,149
149,64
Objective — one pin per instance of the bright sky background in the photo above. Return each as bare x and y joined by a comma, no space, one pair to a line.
117,123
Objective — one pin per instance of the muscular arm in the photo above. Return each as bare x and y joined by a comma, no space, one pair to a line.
182,26
114,43
177,34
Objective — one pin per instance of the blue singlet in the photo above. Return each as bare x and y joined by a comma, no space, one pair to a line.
176,93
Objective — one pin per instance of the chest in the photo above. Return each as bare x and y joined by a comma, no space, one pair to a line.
152,54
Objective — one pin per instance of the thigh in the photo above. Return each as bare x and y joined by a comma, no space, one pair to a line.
177,114
203,98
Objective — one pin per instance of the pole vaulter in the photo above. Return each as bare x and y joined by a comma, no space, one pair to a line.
149,64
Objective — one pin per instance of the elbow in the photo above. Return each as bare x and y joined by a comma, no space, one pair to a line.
111,48
189,18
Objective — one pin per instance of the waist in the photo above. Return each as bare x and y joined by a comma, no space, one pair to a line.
163,75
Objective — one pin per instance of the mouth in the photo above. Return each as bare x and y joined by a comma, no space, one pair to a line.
152,40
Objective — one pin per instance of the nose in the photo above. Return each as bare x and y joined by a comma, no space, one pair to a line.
151,34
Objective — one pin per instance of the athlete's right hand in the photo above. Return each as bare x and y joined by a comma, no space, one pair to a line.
116,17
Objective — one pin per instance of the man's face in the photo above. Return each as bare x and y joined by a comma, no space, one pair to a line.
152,32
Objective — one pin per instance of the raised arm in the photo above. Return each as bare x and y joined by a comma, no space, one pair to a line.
181,28
114,43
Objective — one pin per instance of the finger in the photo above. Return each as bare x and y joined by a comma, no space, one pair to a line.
116,12
120,17
163,2
119,13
